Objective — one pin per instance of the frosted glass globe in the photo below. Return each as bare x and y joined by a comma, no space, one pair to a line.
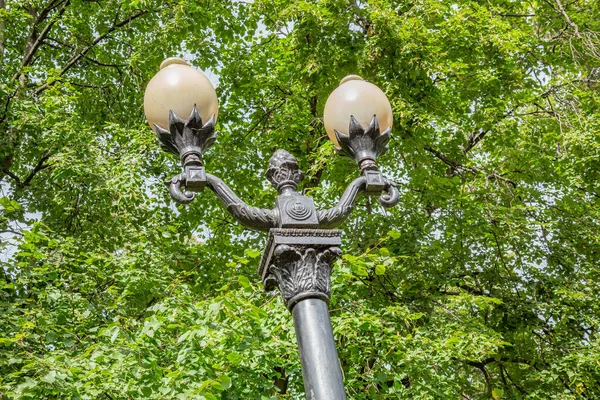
177,87
361,99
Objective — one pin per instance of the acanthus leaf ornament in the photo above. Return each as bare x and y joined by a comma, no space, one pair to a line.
363,144
299,262
188,139
303,272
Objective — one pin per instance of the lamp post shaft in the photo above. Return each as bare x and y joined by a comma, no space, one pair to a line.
320,364
299,262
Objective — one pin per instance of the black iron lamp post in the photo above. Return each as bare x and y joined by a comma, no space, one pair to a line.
302,241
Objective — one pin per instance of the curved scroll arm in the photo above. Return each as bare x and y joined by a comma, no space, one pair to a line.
335,216
391,196
175,189
259,219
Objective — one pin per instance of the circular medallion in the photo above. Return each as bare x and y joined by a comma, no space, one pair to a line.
297,210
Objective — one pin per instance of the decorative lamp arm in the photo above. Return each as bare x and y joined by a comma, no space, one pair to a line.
336,216
364,145
189,139
258,219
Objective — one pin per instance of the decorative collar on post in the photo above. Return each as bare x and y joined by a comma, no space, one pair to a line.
299,262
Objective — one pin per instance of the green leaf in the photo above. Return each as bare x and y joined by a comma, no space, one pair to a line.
244,281
252,253
50,377
225,381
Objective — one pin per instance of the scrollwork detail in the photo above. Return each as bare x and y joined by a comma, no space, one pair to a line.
180,196
391,196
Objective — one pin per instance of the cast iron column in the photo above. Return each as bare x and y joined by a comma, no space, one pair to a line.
299,261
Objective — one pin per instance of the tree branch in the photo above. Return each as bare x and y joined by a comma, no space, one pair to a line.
75,59
12,232
474,139
13,176
456,166
40,166
502,373
27,59
453,164
2,33
568,19
7,103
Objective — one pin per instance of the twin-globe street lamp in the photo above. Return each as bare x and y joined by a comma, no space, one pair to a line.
302,244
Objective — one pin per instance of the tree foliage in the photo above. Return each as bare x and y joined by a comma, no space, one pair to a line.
483,282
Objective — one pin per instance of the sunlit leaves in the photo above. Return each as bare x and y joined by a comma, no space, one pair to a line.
482,283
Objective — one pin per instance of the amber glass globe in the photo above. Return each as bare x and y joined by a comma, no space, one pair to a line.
177,87
359,98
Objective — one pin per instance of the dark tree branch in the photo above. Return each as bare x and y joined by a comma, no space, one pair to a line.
503,179
517,15
40,166
27,59
11,231
474,139
456,166
87,58
2,33
75,59
7,103
264,118
13,176
588,192
85,85
451,163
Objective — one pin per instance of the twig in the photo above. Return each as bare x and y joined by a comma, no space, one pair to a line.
83,52
474,139
11,231
40,39
40,166
568,19
456,166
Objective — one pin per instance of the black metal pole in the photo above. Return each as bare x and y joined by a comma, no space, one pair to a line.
320,364
299,262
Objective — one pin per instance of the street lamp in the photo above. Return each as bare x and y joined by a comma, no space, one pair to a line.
302,243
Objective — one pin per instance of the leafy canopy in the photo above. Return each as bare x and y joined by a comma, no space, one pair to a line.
483,282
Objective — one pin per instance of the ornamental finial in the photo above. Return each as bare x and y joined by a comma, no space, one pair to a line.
284,171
